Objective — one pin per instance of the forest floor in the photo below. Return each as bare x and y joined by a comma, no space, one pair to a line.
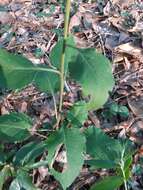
115,28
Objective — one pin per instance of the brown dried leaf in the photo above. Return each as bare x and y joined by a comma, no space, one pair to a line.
4,110
75,21
136,105
136,131
6,18
23,107
4,2
122,3
130,49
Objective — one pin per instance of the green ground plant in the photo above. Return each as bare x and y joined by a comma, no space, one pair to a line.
93,72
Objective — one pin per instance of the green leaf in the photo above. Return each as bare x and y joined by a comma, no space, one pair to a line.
126,161
2,158
54,140
70,52
58,32
105,151
127,165
22,181
38,52
15,127
123,111
108,183
2,154
93,71
4,174
74,143
17,72
28,153
96,164
78,113
115,110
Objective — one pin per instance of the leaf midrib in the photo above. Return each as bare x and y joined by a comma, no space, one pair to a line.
36,69
13,127
90,67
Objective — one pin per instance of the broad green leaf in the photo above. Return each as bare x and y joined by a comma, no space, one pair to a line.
70,52
37,164
111,111
22,181
123,111
74,143
93,71
105,151
28,153
51,144
54,140
78,114
115,110
108,183
4,174
95,164
15,127
17,72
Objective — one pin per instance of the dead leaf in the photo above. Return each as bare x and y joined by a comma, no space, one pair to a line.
6,18
136,131
136,105
4,110
138,27
130,49
4,2
122,3
75,21
80,42
117,22
23,107
43,172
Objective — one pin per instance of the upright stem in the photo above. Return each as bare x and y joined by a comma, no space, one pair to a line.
124,178
122,169
62,63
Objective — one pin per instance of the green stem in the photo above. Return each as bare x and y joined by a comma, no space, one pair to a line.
124,177
62,63
122,170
